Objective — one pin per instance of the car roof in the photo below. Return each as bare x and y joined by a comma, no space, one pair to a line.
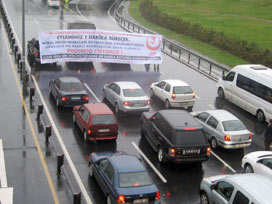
180,118
176,82
128,84
98,108
257,185
222,115
126,163
69,80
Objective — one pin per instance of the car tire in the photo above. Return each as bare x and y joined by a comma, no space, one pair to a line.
103,95
248,169
190,109
204,198
152,93
85,136
221,93
214,143
108,199
74,119
57,102
91,170
116,109
161,156
167,104
260,116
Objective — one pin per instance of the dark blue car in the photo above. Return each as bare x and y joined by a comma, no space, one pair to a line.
123,178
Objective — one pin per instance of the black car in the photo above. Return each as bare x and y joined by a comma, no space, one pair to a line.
68,91
33,53
176,136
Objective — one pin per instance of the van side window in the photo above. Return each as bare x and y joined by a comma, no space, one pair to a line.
230,76
225,189
212,122
240,198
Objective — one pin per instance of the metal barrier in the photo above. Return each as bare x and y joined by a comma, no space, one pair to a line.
195,60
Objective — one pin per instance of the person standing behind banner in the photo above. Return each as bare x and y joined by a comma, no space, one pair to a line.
268,136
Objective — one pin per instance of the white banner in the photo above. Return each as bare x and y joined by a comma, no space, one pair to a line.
100,46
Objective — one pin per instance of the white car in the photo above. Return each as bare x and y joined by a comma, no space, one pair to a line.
174,93
126,96
224,129
53,3
258,162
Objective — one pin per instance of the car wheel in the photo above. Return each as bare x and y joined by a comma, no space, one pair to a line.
57,102
248,168
108,199
91,170
190,109
85,136
74,119
214,143
260,116
204,198
103,95
117,109
221,93
167,104
161,157
152,93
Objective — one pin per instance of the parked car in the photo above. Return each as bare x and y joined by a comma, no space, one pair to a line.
123,178
68,91
126,96
236,189
53,3
96,121
174,93
33,53
224,129
258,162
175,135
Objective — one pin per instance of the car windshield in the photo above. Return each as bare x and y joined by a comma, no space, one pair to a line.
134,179
182,90
71,87
103,119
233,125
133,92
189,137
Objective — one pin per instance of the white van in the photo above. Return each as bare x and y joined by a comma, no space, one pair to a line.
250,87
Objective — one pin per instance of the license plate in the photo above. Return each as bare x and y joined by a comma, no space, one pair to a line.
138,104
239,145
192,151
103,130
143,200
75,97
184,103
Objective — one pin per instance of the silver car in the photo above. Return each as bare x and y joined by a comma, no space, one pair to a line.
236,189
224,129
126,96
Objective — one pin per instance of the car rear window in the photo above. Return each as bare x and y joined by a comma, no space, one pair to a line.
182,90
135,179
103,119
133,92
190,137
233,125
72,87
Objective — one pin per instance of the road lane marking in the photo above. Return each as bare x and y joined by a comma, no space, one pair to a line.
211,106
90,90
221,160
197,96
37,22
47,174
57,133
150,163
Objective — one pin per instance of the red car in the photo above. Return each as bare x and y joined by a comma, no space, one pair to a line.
96,121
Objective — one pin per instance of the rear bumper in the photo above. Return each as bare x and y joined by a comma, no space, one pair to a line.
233,145
72,103
188,159
102,137
135,109
182,104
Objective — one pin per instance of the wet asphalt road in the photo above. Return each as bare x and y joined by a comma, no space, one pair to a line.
182,180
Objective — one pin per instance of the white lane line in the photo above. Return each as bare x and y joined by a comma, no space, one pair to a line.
3,175
37,22
90,90
57,133
210,105
197,96
149,162
221,160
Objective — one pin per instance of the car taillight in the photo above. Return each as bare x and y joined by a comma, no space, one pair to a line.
85,98
188,129
64,98
147,102
158,195
36,53
172,152
250,136
208,151
193,95
89,132
174,96
227,137
126,103
121,199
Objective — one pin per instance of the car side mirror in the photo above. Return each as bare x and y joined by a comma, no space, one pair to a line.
213,187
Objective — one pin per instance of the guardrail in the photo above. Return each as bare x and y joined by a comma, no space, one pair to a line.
203,64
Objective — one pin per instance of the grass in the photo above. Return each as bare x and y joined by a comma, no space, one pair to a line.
249,20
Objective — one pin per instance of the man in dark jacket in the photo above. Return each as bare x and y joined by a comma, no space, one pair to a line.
268,136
